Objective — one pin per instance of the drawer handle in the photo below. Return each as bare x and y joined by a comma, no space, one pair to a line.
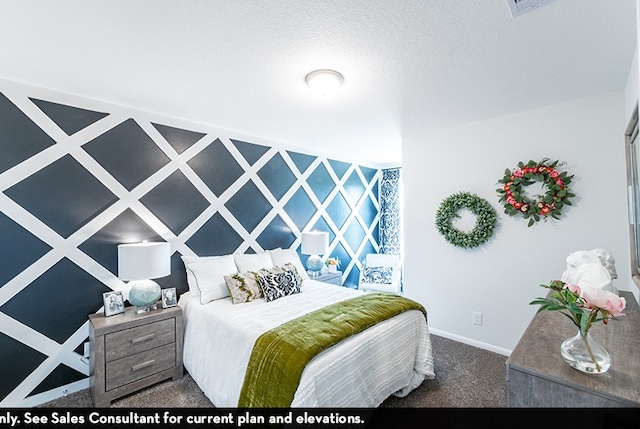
141,339
143,365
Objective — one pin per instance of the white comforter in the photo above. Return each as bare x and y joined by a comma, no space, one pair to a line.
393,357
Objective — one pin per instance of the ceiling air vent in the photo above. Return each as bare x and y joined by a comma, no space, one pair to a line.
520,7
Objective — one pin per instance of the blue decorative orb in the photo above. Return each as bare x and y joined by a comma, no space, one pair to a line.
314,263
144,293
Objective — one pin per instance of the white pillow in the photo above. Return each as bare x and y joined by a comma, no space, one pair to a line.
282,256
252,261
208,275
191,280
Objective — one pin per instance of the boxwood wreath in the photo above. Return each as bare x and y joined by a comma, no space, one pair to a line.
557,193
485,219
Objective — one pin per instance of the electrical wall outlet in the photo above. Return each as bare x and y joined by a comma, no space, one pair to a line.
477,318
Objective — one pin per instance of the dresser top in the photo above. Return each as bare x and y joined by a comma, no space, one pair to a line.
538,352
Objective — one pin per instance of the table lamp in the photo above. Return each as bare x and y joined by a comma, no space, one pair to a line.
139,263
314,243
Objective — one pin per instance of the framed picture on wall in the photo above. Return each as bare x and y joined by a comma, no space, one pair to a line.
169,298
113,303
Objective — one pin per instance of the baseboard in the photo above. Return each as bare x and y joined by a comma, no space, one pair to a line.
41,398
471,342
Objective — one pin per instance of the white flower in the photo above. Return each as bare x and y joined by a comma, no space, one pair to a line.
586,269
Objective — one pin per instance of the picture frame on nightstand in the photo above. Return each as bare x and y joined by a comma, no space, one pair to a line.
113,303
169,297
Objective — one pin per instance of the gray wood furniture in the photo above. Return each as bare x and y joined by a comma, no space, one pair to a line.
131,351
333,278
537,376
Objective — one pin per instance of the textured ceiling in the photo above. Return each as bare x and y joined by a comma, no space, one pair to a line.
240,64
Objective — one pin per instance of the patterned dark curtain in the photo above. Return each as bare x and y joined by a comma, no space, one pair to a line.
390,212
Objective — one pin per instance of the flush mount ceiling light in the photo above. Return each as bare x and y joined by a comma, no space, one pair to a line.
520,7
324,82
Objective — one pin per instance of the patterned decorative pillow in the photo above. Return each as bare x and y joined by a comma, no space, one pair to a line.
278,285
378,275
243,287
287,267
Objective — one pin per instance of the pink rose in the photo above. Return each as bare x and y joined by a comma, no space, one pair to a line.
559,182
518,173
608,301
573,288
553,174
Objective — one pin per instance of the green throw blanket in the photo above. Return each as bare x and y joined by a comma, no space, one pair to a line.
280,355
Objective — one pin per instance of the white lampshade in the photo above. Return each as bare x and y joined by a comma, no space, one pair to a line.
324,82
315,242
142,261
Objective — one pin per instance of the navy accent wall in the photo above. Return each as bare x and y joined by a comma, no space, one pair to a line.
78,177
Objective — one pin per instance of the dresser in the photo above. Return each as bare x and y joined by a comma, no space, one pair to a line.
130,351
537,376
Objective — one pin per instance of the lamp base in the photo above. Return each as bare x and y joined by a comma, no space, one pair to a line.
314,265
144,295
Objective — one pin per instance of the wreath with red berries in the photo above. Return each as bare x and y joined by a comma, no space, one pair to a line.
549,204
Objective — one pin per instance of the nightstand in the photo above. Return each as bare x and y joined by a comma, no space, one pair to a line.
327,277
131,351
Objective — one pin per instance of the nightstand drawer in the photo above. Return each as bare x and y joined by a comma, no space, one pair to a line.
132,368
135,340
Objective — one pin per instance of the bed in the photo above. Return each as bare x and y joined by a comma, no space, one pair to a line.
392,357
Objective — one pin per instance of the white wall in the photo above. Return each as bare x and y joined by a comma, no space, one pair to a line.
501,277
631,88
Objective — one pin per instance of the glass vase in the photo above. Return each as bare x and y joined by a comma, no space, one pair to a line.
585,354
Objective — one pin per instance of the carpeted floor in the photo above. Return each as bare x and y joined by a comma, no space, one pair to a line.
466,377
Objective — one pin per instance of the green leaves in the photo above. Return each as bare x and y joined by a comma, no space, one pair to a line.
517,203
569,304
486,218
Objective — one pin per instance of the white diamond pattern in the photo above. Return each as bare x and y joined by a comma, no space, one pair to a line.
57,354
